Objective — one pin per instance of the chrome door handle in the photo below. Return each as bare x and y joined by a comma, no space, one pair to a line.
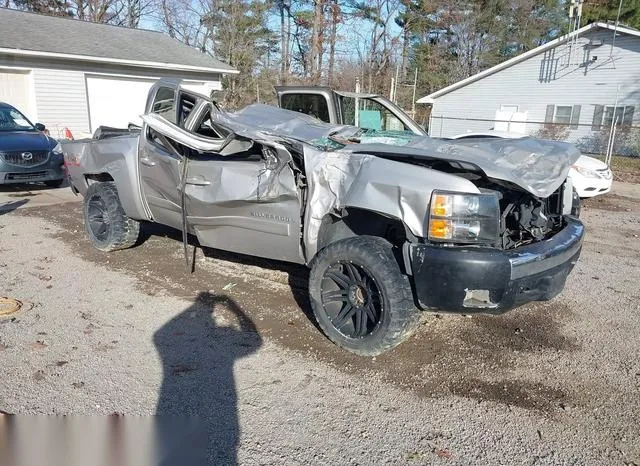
147,161
198,181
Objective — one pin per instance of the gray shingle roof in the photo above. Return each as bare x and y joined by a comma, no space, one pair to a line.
39,33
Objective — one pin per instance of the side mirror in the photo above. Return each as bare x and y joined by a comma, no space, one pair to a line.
40,126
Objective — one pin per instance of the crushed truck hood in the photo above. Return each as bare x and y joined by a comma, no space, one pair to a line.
535,165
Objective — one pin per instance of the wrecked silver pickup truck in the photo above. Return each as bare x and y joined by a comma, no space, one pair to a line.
389,223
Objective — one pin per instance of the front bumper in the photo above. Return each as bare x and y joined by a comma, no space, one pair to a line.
468,280
590,187
51,170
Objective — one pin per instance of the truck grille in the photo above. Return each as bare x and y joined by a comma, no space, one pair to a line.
25,158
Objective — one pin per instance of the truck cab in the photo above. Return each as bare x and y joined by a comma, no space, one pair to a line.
367,111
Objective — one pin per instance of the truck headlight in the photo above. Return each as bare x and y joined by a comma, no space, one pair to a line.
464,218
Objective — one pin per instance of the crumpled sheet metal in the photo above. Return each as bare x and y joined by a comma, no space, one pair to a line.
538,166
277,179
354,177
175,133
232,182
117,156
329,177
268,184
342,179
259,119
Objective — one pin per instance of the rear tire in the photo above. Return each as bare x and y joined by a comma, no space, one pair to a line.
105,221
360,298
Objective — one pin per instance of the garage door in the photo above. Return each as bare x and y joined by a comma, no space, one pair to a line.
115,101
15,90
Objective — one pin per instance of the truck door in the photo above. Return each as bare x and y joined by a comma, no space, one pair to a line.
159,167
240,196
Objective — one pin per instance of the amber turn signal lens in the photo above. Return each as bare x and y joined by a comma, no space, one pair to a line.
441,205
440,229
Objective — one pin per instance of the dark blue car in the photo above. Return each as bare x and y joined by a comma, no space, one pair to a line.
26,153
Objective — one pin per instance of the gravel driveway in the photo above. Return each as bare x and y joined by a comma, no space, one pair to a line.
132,332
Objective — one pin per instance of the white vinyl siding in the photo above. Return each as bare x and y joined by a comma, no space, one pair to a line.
549,78
62,101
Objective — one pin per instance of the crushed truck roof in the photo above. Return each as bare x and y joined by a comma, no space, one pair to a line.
537,166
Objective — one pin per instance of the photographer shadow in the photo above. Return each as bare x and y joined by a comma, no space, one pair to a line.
198,349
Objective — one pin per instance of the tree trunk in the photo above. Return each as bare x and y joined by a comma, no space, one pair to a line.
283,45
287,62
316,41
405,51
335,18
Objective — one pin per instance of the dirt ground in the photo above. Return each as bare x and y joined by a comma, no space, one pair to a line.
553,382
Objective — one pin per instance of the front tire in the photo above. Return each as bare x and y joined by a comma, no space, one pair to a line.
105,221
360,298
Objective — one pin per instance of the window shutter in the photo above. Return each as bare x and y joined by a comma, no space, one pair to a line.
628,115
549,116
575,116
597,118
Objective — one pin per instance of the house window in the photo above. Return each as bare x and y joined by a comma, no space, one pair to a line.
604,117
621,115
563,115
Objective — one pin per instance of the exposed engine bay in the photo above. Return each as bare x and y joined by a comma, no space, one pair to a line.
525,218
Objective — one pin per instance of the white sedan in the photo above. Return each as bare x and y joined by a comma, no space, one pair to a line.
589,176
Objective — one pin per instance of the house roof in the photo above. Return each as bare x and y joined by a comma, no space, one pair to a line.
30,34
429,99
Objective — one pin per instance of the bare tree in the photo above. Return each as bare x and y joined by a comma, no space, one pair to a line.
317,35
335,18
284,11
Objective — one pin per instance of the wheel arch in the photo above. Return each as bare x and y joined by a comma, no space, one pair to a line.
126,187
101,177
351,222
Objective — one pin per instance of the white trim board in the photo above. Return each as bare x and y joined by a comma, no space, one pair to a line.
117,61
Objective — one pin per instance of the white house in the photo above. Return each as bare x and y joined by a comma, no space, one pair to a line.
575,80
79,75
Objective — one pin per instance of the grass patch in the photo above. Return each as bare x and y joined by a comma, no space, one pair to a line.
625,169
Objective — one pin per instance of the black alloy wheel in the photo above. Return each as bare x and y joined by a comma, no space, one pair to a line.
108,226
351,299
360,298
98,218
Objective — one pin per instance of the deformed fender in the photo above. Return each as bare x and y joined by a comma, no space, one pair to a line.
116,156
343,179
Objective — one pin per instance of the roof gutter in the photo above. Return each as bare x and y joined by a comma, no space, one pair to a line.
118,61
